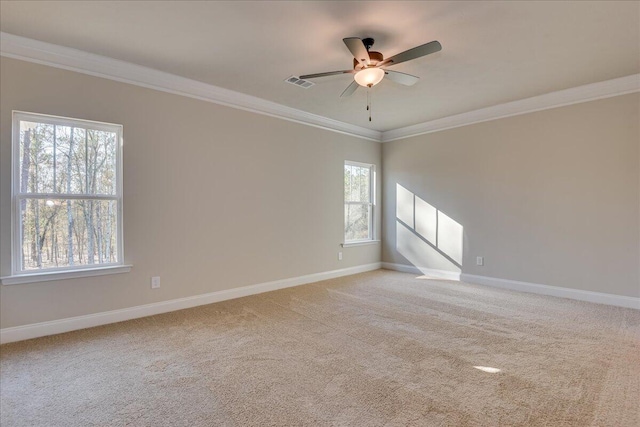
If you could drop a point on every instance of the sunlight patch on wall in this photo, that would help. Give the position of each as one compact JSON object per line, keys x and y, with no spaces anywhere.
{"x":404,"y":205}
{"x":426,"y":219}
{"x":425,"y":236}
{"x":420,"y":253}
{"x":450,"y":237}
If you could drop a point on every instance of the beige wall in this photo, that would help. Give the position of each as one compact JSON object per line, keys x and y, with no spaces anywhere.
{"x":214,"y":197}
{"x":551,"y":197}
{"x":217,"y":198}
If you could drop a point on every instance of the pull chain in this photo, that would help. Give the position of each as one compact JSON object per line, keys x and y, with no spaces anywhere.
{"x":369,"y":101}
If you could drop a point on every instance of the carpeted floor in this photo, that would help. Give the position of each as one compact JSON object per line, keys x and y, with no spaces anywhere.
{"x":374,"y":349}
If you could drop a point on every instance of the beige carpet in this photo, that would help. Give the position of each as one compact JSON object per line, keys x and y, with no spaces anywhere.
{"x":374,"y":349}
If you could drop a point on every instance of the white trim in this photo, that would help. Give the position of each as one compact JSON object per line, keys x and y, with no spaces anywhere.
{"x":401,"y":268}
{"x":423,"y":271}
{"x":358,"y":164}
{"x":561,"y":98}
{"x":19,"y":333}
{"x":556,"y":291}
{"x":26,"y":49}
{"x":39,"y":52}
{"x":534,"y":288}
{"x":359,"y":243}
{"x":64,"y":274}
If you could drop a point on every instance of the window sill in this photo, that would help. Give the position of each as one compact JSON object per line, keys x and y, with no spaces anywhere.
{"x":63,"y":275}
{"x":361,"y":243}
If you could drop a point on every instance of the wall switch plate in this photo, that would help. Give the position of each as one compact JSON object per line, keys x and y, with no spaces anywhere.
{"x":339,"y":256}
{"x":155,"y":282}
{"x":480,"y":260}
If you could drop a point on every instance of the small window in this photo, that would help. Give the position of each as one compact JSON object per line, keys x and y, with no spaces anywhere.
{"x":67,"y":194}
{"x":359,"y":179}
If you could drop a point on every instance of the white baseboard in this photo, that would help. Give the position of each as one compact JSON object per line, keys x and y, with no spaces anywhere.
{"x":514,"y":285}
{"x":35,"y":330}
{"x":556,"y":291}
{"x":432,"y":272}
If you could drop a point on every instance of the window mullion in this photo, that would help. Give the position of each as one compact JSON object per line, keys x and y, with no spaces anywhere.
{"x":67,"y":196}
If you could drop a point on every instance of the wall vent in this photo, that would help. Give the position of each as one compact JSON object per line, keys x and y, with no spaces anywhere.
{"x":299,"y":82}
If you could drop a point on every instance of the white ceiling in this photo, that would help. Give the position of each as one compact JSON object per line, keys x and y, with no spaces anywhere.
{"x":493,"y":52}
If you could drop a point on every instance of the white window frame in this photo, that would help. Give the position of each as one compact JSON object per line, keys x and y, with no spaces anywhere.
{"x":18,"y":274}
{"x":371,"y":204}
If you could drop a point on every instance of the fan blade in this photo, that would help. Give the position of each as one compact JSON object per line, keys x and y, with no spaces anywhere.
{"x":329,"y":73}
{"x":358,"y":50}
{"x":350,"y":89}
{"x":416,"y":52}
{"x":402,"y":78}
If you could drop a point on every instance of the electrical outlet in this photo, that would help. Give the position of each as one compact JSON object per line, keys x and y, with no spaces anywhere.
{"x":155,"y":282}
{"x":339,"y":256}
{"x":480,"y":260}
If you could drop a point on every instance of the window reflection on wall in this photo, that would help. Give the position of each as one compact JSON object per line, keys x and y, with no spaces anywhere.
{"x":426,"y":236}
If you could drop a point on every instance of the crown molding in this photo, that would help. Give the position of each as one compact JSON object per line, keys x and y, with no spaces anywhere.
{"x":561,"y":98}
{"x":39,"y":52}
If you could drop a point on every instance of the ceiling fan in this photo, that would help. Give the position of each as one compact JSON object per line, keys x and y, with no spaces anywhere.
{"x":369,"y":67}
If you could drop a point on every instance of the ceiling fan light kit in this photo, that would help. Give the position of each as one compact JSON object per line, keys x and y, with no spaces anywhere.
{"x":369,"y":77}
{"x":367,"y":65}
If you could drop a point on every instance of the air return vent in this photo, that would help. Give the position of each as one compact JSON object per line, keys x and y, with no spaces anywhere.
{"x":299,"y":82}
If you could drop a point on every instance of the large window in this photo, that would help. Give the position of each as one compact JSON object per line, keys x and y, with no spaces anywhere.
{"x":358,"y":201}
{"x":67,"y":194}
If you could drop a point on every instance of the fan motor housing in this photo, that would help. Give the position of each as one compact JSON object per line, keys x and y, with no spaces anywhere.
{"x":375,"y":57}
